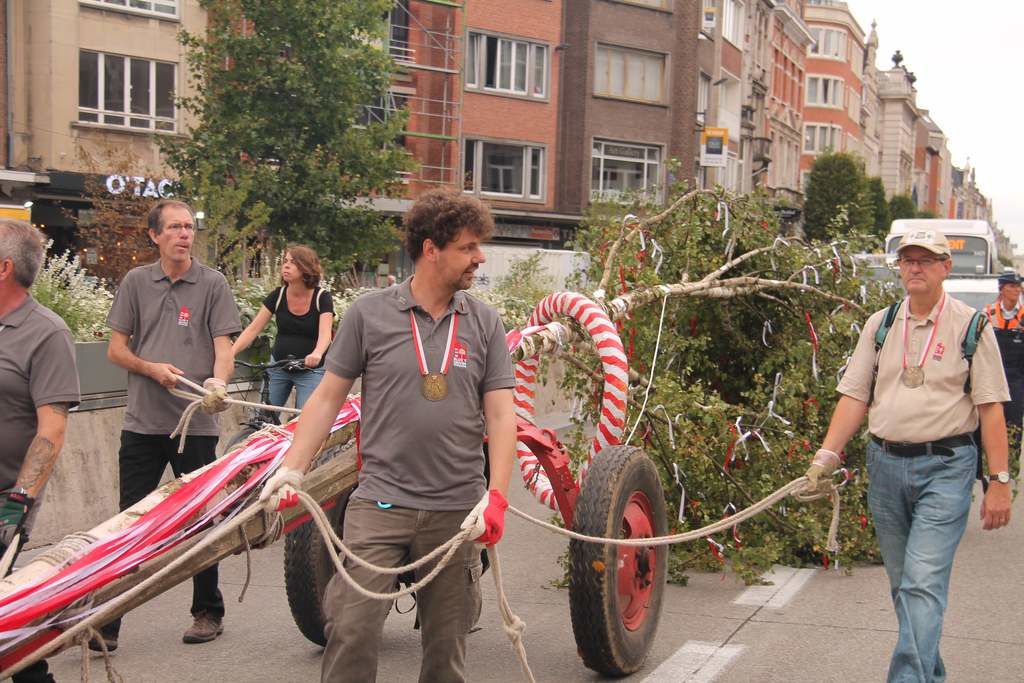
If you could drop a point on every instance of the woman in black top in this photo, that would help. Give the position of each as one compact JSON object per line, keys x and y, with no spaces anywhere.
{"x":305,"y":314}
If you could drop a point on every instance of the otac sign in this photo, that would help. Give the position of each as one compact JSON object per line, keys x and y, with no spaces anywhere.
{"x":141,"y":186}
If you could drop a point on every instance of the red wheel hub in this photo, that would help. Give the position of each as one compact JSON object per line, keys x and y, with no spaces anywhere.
{"x":636,"y":564}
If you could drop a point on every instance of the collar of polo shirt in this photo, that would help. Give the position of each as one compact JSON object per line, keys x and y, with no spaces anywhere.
{"x":403,"y":297}
{"x":191,"y":275}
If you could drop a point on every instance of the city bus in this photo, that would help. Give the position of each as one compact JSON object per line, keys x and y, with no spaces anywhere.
{"x":973,"y":243}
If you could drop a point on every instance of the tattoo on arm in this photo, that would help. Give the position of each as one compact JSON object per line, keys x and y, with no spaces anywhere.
{"x":38,"y":463}
{"x":59,"y":408}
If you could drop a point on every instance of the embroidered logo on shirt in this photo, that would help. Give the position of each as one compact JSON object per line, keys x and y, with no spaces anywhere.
{"x":459,"y":355}
{"x":184,"y":316}
{"x":940,"y":349}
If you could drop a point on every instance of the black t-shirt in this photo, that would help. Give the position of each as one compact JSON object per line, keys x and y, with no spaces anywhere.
{"x":297,"y":334}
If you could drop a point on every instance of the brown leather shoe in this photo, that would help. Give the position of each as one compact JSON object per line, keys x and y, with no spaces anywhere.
{"x":205,"y":628}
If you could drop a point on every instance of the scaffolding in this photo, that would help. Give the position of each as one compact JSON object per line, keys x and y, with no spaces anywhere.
{"x":425,"y":40}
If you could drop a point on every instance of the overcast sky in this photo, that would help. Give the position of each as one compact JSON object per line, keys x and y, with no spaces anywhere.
{"x":965,"y":56}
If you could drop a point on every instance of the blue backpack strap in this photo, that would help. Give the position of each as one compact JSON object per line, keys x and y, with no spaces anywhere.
{"x":880,"y":334}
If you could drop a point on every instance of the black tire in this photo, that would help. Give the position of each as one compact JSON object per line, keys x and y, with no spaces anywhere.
{"x":615,"y":624}
{"x":308,"y":569}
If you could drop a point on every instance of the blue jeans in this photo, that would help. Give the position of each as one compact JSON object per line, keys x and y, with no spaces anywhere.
{"x":920,"y":507}
{"x":282,"y":381}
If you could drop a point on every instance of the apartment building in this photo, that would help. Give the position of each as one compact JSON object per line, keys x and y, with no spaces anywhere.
{"x":628,"y":98}
{"x":932,"y":167}
{"x":512,"y":88}
{"x":899,"y":116}
{"x":99,"y":76}
{"x":723,"y":69}
{"x":834,"y":81}
{"x":790,"y":39}
{"x":870,"y":106}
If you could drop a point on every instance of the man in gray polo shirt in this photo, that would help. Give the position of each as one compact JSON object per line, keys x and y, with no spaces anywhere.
{"x":38,"y":384}
{"x":432,"y":361}
{"x":172,"y":318}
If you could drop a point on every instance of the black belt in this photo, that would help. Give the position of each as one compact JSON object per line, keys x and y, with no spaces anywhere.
{"x":905,"y":449}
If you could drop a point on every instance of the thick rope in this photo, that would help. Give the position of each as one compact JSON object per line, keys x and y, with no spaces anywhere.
{"x":196,"y":397}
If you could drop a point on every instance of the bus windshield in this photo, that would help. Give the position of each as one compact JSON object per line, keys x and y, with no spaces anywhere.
{"x":970,"y":254}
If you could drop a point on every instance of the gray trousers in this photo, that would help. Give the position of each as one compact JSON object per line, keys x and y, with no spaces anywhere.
{"x":448,"y":606}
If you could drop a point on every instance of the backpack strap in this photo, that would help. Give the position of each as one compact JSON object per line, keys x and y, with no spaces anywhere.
{"x":970,"y":343}
{"x":280,"y":296}
{"x":880,"y":334}
{"x":316,"y":299}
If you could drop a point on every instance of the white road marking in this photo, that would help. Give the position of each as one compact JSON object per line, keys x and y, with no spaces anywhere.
{"x":785,"y":582}
{"x":696,"y":661}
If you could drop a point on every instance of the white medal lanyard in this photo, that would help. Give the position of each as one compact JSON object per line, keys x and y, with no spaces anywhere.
{"x":421,"y":354}
{"x":931,"y":337}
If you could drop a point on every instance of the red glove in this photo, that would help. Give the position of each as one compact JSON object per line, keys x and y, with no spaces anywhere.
{"x":494,"y":519}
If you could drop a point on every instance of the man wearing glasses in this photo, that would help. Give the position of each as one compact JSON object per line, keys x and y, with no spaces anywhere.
{"x":923,"y":401}
{"x":172,"y":318}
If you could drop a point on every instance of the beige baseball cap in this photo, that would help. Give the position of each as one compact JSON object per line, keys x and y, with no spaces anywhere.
{"x":932,"y":240}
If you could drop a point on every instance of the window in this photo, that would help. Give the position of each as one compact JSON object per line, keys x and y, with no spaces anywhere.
{"x":853,"y":97}
{"x":504,"y":65}
{"x":659,"y":4}
{"x":732,"y":21}
{"x":162,"y":8}
{"x":825,"y":92}
{"x":829,"y":42}
{"x":619,"y":169}
{"x":506,"y":169}
{"x":126,"y":91}
{"x":821,"y":138}
{"x":629,"y":74}
{"x":703,"y":97}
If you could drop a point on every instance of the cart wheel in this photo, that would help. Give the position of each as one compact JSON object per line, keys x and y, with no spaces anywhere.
{"x":308,"y":568}
{"x":615,"y":593}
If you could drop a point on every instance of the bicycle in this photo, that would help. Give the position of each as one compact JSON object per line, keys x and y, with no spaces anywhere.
{"x":257,"y":418}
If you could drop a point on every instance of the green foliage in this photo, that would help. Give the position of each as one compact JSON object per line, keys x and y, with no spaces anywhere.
{"x":714,"y":371}
{"x":837,"y":182}
{"x":81,"y":300}
{"x":282,"y":119}
{"x":926,"y":213}
{"x":517,"y":292}
{"x":902,"y":206}
{"x":879,"y":207}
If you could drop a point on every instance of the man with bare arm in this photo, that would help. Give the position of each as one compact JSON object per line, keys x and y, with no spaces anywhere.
{"x":172,"y":318}
{"x":435,"y":374}
{"x":38,"y":385}
{"x":924,"y":394}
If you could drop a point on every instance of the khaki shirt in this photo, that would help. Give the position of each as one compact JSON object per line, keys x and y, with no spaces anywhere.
{"x":426,"y":455}
{"x":939,"y":408}
{"x":171,"y":322}
{"x":37,"y":368}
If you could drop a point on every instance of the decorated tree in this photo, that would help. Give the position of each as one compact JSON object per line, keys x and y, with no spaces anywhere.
{"x":735,"y":337}
{"x":284,"y":94}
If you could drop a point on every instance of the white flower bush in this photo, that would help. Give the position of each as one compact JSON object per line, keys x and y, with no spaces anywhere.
{"x":82,"y":300}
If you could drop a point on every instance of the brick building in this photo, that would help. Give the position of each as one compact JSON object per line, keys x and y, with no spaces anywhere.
{"x":834,"y":81}
{"x":628,"y":103}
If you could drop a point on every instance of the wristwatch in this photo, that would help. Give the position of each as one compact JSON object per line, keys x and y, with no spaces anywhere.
{"x":1002,"y":477}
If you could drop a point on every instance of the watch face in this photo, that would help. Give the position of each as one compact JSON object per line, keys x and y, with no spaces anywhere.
{"x":1001,"y":477}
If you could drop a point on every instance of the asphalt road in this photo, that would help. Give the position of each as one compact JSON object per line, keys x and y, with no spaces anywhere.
{"x":812,"y":625}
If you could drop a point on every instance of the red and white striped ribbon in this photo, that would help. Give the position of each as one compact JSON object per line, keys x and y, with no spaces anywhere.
{"x":616,"y":382}
{"x":421,"y":355}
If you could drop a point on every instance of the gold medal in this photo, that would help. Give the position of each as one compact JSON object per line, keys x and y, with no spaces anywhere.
{"x":912,"y":377}
{"x":435,"y":387}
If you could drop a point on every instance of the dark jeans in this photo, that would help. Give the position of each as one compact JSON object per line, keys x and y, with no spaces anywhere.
{"x":1014,"y":412}
{"x":142,"y":460}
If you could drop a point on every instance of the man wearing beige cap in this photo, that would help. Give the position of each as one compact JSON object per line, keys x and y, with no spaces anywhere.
{"x":923,"y":400}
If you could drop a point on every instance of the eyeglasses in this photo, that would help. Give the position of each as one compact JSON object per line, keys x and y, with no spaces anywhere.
{"x":922,"y":262}
{"x":178,"y":227}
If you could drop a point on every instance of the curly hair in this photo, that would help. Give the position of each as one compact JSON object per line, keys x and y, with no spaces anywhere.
{"x":307,"y":262}
{"x":439,"y":215}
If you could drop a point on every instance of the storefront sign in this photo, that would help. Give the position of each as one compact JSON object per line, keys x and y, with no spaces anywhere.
{"x":143,"y":187}
{"x":713,"y":145}
{"x":527,"y":232}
